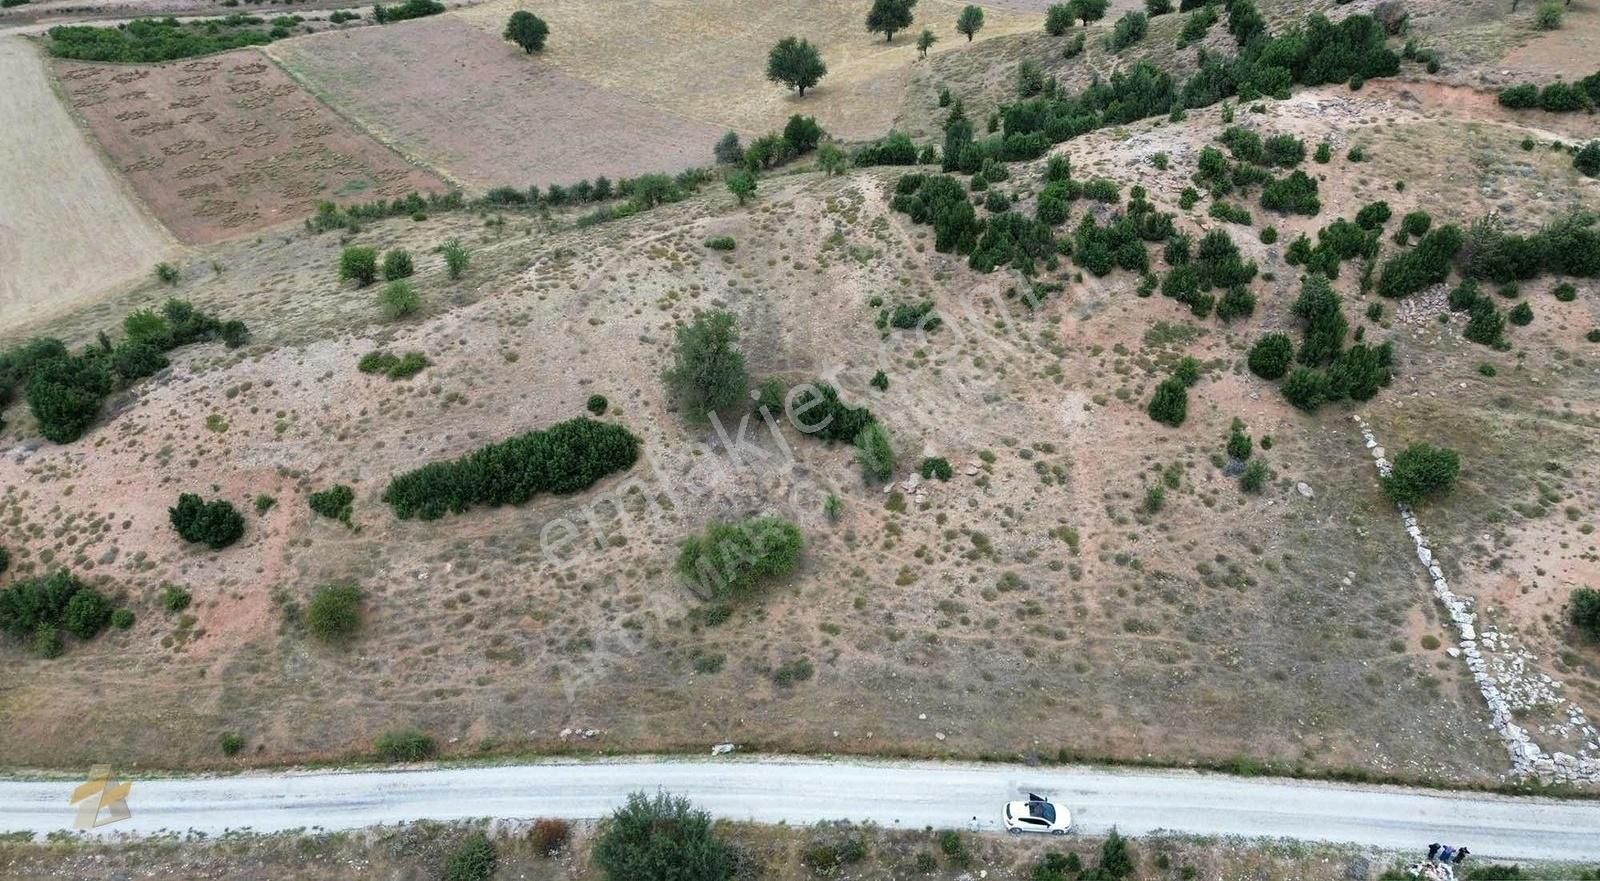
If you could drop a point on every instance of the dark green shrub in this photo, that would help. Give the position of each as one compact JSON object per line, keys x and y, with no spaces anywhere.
{"x":473,"y":859}
{"x":662,"y":837}
{"x":86,"y":614}
{"x":936,"y":467}
{"x":398,"y":299}
{"x":1129,"y":29}
{"x":47,"y":642}
{"x":335,"y":502}
{"x":733,"y":560}
{"x":232,"y":744}
{"x":1416,"y":223}
{"x":1565,"y":292}
{"x":1295,"y":194}
{"x":1587,"y":159}
{"x":216,"y":523}
{"x":880,"y":381}
{"x":832,"y":846}
{"x":818,"y":410}
{"x":1522,"y":314}
{"x":1325,"y":325}
{"x":1285,"y":151}
{"x":334,"y":612}
{"x":359,"y":263}
{"x":1239,"y":445}
{"x":1236,"y":302}
{"x":397,"y":264}
{"x":565,"y":458}
{"x":1373,"y":215}
{"x":1422,"y":471}
{"x":1306,"y":388}
{"x":1583,"y":610}
{"x":1485,"y":326}
{"x":456,"y":257}
{"x":1324,"y":153}
{"x":1254,"y":476}
{"x":1170,"y":404}
{"x":37,"y":609}
{"x":597,"y":405}
{"x":1269,"y":235}
{"x":1116,"y":860}
{"x":1520,"y":97}
{"x":405,"y":745}
{"x":721,"y":243}
{"x":1269,"y":358}
{"x":174,"y":598}
{"x":166,"y":273}
{"x":1058,"y":19}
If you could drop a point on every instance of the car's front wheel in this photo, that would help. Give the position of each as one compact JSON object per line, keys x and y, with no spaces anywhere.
{"x":1058,"y":831}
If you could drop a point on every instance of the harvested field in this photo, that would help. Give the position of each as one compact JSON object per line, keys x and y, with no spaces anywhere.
{"x":68,"y":225}
{"x":225,"y":145}
{"x":475,"y":107}
{"x":707,"y":60}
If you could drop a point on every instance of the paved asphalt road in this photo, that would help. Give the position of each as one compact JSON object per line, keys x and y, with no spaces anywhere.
{"x":798,"y":791}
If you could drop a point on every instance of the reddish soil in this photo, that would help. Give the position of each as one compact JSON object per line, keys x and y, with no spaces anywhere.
{"x":225,"y":145}
{"x":463,"y":100}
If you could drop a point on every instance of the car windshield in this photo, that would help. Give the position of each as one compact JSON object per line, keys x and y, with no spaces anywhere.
{"x":1043,"y":810}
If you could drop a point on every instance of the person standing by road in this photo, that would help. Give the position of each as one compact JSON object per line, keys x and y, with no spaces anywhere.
{"x":1433,"y":851}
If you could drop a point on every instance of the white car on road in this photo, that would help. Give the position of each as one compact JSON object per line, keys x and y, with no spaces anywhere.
{"x":1037,"y":815}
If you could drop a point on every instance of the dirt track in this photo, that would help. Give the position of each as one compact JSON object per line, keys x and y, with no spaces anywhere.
{"x":68,"y":225}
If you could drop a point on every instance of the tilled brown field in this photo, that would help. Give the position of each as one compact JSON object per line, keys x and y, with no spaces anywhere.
{"x":224,"y":145}
{"x":463,"y":100}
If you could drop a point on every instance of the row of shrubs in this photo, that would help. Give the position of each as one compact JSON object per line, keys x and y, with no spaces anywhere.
{"x":64,"y":390}
{"x":39,"y":610}
{"x":1329,"y":371}
{"x":1557,"y":97}
{"x":1319,"y":52}
{"x":564,"y":458}
{"x":149,"y":40}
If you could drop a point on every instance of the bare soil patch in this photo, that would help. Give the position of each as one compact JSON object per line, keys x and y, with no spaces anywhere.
{"x":69,"y":226}
{"x":228,"y":144}
{"x":473,"y":105}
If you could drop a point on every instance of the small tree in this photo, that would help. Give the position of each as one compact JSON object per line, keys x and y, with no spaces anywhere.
{"x":1090,"y":10}
{"x":1422,"y":471}
{"x":742,"y":184}
{"x":888,"y":16}
{"x":334,"y":613}
{"x":728,"y":150}
{"x":795,"y":63}
{"x":970,"y":21}
{"x":708,"y":372}
{"x":1587,"y":160}
{"x":360,"y":264}
{"x":925,"y":41}
{"x":660,"y":838}
{"x":1238,"y":442}
{"x":527,"y":30}
{"x":473,"y":859}
{"x":831,"y":159}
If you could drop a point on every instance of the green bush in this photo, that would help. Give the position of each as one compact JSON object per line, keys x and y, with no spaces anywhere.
{"x":1583,"y":610}
{"x":456,"y":258}
{"x":1254,"y":476}
{"x":473,"y":859}
{"x":874,"y":452}
{"x":397,"y":264}
{"x":405,"y":745}
{"x":1416,"y":223}
{"x":565,"y":458}
{"x":1325,"y":325}
{"x":1306,"y":388}
{"x":398,"y":299}
{"x":721,"y":243}
{"x":232,"y":744}
{"x":1422,"y":471}
{"x":166,"y":273}
{"x":1485,"y":326}
{"x":393,"y":366}
{"x":174,"y":598}
{"x":1058,"y":19}
{"x":732,"y":560}
{"x":1548,"y":16}
{"x":1324,"y":153}
{"x":1521,"y":97}
{"x":1236,"y":302}
{"x":1170,"y":404}
{"x":1522,"y":314}
{"x":1587,"y":159}
{"x":1426,"y":264}
{"x":936,"y":467}
{"x":359,"y":263}
{"x":334,"y":613}
{"x":335,"y":502}
{"x":407,"y":10}
{"x":216,"y":523}
{"x":1269,"y":235}
{"x":1295,"y":194}
{"x":1373,"y":215}
{"x":818,"y":410}
{"x":708,"y":371}
{"x":150,"y":40}
{"x":832,"y":846}
{"x":1239,"y":445}
{"x":597,"y":404}
{"x":37,"y":609}
{"x":1129,"y":29}
{"x":1270,"y":356}
{"x":662,"y":838}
